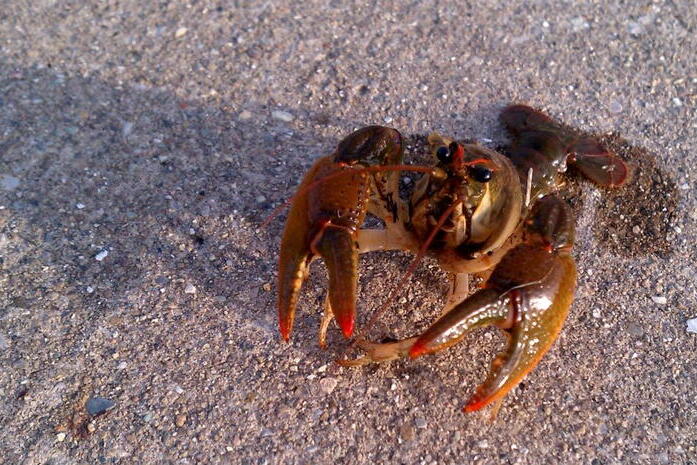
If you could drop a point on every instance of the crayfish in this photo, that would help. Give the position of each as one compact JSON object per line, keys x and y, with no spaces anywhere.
{"x":476,"y":211}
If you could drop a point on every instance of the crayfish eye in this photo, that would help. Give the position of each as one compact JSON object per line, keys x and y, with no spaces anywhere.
{"x":480,"y":173}
{"x":443,"y":154}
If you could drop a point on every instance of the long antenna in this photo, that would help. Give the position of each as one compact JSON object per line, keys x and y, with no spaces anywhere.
{"x":406,"y":276}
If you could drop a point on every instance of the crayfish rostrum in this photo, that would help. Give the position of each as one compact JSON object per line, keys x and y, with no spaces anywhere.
{"x":475,"y":211}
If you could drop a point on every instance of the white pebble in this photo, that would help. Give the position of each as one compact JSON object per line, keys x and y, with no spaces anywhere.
{"x":282,"y":116}
{"x":677,"y":102}
{"x":579,"y":23}
{"x":9,"y":183}
{"x":327,"y":385}
{"x":127,"y":129}
{"x":692,"y":326}
{"x":181,"y":32}
{"x":596,"y":313}
{"x":101,"y":255}
{"x":388,"y":119}
{"x":244,"y":115}
{"x":90,"y":289}
{"x":60,"y":437}
{"x":659,"y":299}
{"x":635,"y":28}
{"x":615,"y":107}
{"x":190,"y":289}
{"x":80,"y":206}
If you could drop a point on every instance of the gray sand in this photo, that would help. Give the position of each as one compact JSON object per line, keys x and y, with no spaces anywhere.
{"x":140,"y":147}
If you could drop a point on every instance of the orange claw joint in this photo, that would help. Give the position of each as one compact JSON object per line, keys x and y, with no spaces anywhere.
{"x":528,"y":296}
{"x":324,"y":219}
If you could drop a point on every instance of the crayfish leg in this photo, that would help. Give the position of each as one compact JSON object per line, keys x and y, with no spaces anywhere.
{"x":458,"y":291}
{"x":393,"y":237}
{"x":379,"y":352}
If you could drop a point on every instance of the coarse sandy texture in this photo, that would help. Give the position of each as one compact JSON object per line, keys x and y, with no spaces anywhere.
{"x":141,"y":144}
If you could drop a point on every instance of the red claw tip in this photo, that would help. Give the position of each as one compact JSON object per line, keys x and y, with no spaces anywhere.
{"x":346,"y":325}
{"x":285,"y":332}
{"x":475,"y":403}
{"x":419,"y":348}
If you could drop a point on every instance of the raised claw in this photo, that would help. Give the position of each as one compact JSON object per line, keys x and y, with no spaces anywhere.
{"x":537,"y":137}
{"x":528,"y":296}
{"x":324,"y":219}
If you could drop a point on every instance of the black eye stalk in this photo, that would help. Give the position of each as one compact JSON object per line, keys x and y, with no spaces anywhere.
{"x":444,"y":155}
{"x":480,"y":173}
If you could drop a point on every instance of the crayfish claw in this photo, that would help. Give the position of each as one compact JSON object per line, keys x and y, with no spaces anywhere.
{"x":597,"y":164}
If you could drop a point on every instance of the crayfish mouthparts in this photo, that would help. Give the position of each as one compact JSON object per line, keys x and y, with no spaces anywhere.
{"x":474,"y":211}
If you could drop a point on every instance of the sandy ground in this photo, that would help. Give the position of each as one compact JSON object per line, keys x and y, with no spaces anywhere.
{"x":141,"y":144}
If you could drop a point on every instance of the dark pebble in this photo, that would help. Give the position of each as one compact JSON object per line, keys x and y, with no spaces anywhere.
{"x":98,"y":405}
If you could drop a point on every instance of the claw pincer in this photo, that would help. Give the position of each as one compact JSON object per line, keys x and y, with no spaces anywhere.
{"x":528,"y":296}
{"x":324,"y":219}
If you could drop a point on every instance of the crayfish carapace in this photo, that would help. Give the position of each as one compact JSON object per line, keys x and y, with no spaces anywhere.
{"x":475,"y":210}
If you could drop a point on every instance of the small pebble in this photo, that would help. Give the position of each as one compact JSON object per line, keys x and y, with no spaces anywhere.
{"x":127,"y":129}
{"x":615,"y":107}
{"x":9,"y":183}
{"x":89,"y":289}
{"x":388,"y":119}
{"x":60,"y":437}
{"x":181,"y":32}
{"x":420,"y":422}
{"x":636,"y":229}
{"x":282,"y":116}
{"x":266,"y":287}
{"x":596,"y":313}
{"x":98,"y":405}
{"x":4,"y":342}
{"x":677,"y":102}
{"x":260,"y":199}
{"x":101,"y":255}
{"x":80,"y":206}
{"x":91,"y":427}
{"x":635,"y":28}
{"x":692,"y":326}
{"x":579,"y":23}
{"x":180,"y":420}
{"x":327,"y":385}
{"x":659,"y":300}
{"x":190,"y":289}
{"x":406,"y":432}
{"x":244,"y":115}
